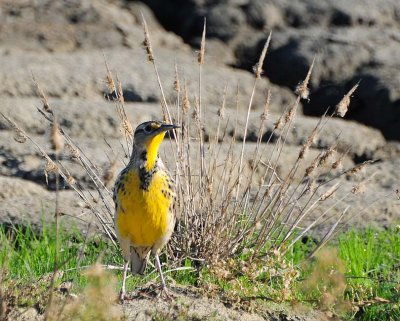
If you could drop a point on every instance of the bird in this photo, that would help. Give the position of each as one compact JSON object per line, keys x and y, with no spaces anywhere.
{"x":144,"y":197}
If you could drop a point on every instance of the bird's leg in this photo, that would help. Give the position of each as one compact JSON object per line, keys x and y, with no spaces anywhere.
{"x":123,"y":289}
{"x":163,"y":286}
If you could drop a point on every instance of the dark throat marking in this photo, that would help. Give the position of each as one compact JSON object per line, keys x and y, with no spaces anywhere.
{"x":146,"y":176}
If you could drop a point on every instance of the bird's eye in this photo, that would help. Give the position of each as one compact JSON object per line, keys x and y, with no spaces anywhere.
{"x":147,"y":129}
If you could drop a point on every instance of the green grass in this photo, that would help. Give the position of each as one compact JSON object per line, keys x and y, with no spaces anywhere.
{"x":27,"y":255}
{"x":372,"y":261}
{"x":371,"y":265}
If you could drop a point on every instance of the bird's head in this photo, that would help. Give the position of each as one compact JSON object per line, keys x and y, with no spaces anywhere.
{"x":148,"y":137}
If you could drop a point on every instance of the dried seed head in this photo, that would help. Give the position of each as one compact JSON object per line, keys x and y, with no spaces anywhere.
{"x":110,"y":172}
{"x":127,"y":127}
{"x":326,"y":155}
{"x":310,"y":169}
{"x":73,"y":150}
{"x":71,"y":180}
{"x":338,"y":164}
{"x":19,"y":136}
{"x":177,"y":84}
{"x":221,"y":111}
{"x":43,"y":98}
{"x":279,"y":122}
{"x":291,"y":112}
{"x":309,"y":142}
{"x":146,"y":42}
{"x":343,"y":105}
{"x":264,"y":114}
{"x":121,"y":98}
{"x":186,"y":101}
{"x":164,"y":109}
{"x":358,"y":168}
{"x":110,"y":82}
{"x":330,"y":192}
{"x":359,"y":188}
{"x":200,"y":57}
{"x":109,"y":78}
{"x":312,"y":185}
{"x":195,"y":114}
{"x":56,"y":139}
{"x":50,"y":167}
{"x":258,"y":67}
{"x":302,"y":89}
{"x":209,"y":186}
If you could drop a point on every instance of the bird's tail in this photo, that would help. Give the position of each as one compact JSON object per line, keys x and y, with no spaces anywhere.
{"x":139,"y":258}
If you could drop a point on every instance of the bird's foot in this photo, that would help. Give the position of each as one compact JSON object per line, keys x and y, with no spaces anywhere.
{"x":166,"y":294}
{"x":122,"y":297}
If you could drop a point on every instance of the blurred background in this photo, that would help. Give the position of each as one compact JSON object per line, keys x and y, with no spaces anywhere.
{"x":65,"y":45}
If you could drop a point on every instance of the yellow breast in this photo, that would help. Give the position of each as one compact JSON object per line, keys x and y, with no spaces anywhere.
{"x":143,"y":215}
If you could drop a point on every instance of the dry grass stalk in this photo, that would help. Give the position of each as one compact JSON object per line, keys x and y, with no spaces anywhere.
{"x":186,"y":101}
{"x":177,"y":83}
{"x":146,"y":42}
{"x":200,"y":57}
{"x":19,"y":136}
{"x":329,"y":153}
{"x":73,"y":151}
{"x":330,"y":192}
{"x":278,"y":124}
{"x":310,"y":140}
{"x":343,"y":105}
{"x":258,"y":67}
{"x":109,"y":79}
{"x":358,"y":168}
{"x":110,"y":173}
{"x":56,"y":139}
{"x":43,"y":97}
{"x":302,"y":89}
{"x":264,"y":114}
{"x":120,"y":92}
{"x":359,"y":188}
{"x":50,"y":167}
{"x":149,"y":50}
{"x":291,"y":112}
{"x":362,"y":186}
{"x":258,"y":72}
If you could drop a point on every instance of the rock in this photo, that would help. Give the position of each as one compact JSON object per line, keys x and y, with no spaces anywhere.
{"x":263,"y":15}
{"x":65,"y":27}
{"x":224,"y":22}
{"x":303,"y":14}
{"x":26,"y":203}
{"x":82,"y":74}
{"x":346,"y":57}
{"x":351,"y":43}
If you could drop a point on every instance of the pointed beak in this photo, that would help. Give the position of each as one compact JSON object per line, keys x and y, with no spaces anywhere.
{"x":167,"y":127}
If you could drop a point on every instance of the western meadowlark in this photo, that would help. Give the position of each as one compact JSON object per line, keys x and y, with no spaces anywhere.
{"x":144,"y":196}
